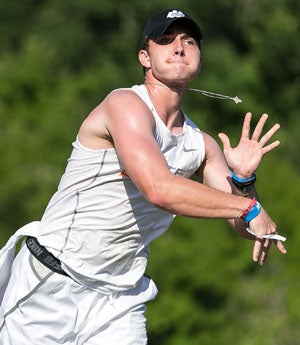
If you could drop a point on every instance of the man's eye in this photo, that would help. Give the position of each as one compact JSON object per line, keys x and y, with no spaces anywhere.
{"x":190,"y":41}
{"x":164,"y":40}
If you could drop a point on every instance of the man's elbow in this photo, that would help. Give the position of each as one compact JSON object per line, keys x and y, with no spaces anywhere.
{"x":160,"y":191}
{"x":159,"y":198}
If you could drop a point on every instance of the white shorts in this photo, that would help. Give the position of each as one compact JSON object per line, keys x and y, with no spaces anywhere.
{"x":42,"y":307}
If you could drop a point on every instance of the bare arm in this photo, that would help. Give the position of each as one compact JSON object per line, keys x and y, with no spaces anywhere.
{"x":123,"y":121}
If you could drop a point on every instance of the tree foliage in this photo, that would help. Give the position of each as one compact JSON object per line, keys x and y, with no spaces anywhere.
{"x":58,"y":60}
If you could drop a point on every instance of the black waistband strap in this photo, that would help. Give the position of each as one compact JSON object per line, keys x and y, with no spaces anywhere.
{"x":42,"y":255}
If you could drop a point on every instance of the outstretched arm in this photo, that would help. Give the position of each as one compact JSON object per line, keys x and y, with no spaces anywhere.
{"x":124,"y":122}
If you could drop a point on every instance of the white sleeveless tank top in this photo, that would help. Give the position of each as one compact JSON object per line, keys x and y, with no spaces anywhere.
{"x":98,"y":223}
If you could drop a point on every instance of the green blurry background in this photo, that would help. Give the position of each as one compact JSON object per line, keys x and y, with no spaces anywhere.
{"x":58,"y":59}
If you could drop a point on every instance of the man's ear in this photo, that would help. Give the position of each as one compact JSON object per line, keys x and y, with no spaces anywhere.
{"x":144,"y":58}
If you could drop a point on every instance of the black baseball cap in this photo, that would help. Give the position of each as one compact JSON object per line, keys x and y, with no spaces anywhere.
{"x":159,"y":23}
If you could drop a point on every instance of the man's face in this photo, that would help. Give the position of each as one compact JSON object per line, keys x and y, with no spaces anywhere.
{"x":175,"y":56}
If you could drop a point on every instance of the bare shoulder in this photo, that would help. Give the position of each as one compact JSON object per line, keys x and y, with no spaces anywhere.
{"x":118,"y":109}
{"x":122,"y":94}
{"x":125,"y":104}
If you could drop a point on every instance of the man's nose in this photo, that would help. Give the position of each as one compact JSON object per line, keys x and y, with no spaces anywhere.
{"x":178,"y":47}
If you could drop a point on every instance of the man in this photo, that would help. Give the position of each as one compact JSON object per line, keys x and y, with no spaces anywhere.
{"x":80,"y":277}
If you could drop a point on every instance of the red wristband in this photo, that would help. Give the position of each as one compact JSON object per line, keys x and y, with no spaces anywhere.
{"x":248,"y":209}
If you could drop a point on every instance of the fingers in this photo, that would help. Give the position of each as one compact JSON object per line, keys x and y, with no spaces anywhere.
{"x":258,"y":132}
{"x":259,"y":127}
{"x":225,"y":141}
{"x":261,"y":249}
{"x":280,"y":247}
{"x":246,"y":125}
{"x":270,"y":147}
{"x":266,"y":137}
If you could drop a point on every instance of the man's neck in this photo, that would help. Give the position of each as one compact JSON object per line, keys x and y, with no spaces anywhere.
{"x":167,"y":101}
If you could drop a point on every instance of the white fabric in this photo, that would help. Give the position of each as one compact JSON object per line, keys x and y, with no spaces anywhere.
{"x":7,"y":253}
{"x":99,"y":224}
{"x":53,"y":309}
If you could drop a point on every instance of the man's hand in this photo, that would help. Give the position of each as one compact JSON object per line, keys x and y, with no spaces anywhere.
{"x":261,"y":245}
{"x":245,"y":158}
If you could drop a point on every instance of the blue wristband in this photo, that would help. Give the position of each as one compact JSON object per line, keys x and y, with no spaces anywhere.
{"x":243,"y":184}
{"x":255,"y":210}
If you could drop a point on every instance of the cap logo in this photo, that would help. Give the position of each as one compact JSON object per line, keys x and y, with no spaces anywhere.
{"x":175,"y":14}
